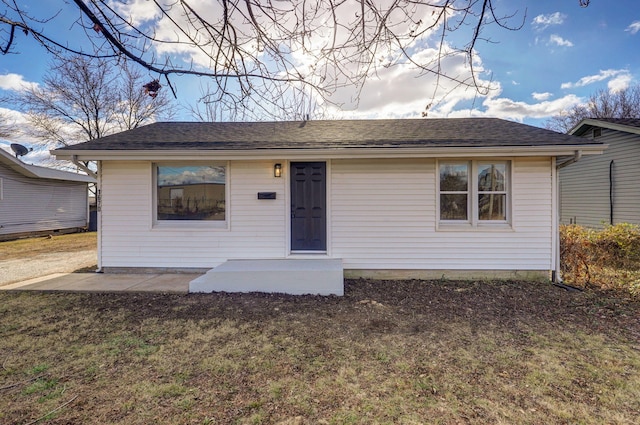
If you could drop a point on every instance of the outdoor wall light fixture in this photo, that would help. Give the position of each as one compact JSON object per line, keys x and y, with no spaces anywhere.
{"x":277,"y":170}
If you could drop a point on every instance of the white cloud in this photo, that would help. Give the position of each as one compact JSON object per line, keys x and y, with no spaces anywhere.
{"x":620,"y":82}
{"x":314,"y":60}
{"x":559,"y":41}
{"x":14,"y":82}
{"x":397,"y":91}
{"x":139,"y":11}
{"x":401,"y":90}
{"x":385,"y":100}
{"x":541,"y":96}
{"x":590,"y":79}
{"x":541,"y":22}
{"x":14,"y":117}
{"x":20,"y":134}
{"x":634,"y":27}
{"x":519,"y":111}
{"x":18,"y":123}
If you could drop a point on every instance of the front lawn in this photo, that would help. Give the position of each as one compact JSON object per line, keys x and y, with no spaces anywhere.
{"x":405,"y":352}
{"x":30,"y":247}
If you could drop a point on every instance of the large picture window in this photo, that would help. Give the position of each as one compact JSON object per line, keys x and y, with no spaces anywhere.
{"x":473,"y":191}
{"x":191,"y":192}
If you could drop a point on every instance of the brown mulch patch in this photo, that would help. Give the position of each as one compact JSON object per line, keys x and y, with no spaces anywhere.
{"x":405,"y":305}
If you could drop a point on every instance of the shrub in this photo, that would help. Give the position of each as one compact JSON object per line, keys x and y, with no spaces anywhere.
{"x":575,"y":253}
{"x":607,"y":258}
{"x":618,"y":246}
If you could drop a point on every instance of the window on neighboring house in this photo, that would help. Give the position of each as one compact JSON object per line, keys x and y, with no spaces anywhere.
{"x":474,"y":192}
{"x":191,"y":192}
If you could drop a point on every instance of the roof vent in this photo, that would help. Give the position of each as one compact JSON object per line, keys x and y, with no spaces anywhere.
{"x":597,"y":132}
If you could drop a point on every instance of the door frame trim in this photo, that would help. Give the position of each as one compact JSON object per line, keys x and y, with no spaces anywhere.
{"x":287,"y":212}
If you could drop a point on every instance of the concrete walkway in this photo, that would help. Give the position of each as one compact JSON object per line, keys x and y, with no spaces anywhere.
{"x":106,"y":282}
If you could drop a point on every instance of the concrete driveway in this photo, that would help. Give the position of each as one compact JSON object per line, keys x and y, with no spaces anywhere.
{"x":20,"y":269}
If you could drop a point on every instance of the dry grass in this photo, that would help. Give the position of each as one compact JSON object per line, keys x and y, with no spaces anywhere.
{"x":406,"y":352}
{"x":29,"y":247}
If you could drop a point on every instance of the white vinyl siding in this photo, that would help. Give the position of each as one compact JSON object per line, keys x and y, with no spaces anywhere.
{"x":381,"y":215}
{"x":38,"y":205}
{"x":584,"y":186}
{"x":384,"y":217}
{"x":256,"y":228}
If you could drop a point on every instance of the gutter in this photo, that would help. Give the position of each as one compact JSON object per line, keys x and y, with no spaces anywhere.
{"x":325,"y":153}
{"x":577,"y":155}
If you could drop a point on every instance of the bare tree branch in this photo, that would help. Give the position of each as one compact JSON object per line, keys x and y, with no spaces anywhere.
{"x":254,"y":52}
{"x":7,"y":128}
{"x":602,"y":104}
{"x":82,"y":99}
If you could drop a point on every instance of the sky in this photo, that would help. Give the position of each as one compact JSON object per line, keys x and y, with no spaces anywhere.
{"x":561,"y":55}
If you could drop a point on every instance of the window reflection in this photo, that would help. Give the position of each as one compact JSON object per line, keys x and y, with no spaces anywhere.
{"x":492,"y":197}
{"x":191,"y":192}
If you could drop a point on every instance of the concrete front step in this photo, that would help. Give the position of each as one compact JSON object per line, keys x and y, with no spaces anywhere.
{"x":288,"y":276}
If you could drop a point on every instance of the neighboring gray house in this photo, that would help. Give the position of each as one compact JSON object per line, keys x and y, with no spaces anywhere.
{"x":603,"y":189}
{"x":473,"y":197}
{"x":37,"y":199}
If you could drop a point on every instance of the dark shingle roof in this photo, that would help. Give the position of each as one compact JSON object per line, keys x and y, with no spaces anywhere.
{"x":405,"y":133}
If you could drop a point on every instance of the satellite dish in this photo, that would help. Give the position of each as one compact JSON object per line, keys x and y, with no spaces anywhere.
{"x":19,"y":150}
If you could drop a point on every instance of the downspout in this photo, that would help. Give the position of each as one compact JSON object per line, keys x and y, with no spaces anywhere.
{"x":576,"y":157}
{"x":556,"y":275}
{"x":83,"y":167}
{"x":99,"y":213}
{"x":611,"y":192}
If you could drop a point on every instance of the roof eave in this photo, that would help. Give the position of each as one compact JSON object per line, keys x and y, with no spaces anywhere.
{"x":16,"y":165}
{"x":36,"y":172}
{"x":581,"y":128}
{"x":329,"y":153}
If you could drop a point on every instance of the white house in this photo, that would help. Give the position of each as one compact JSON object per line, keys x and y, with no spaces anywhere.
{"x":36,"y":199}
{"x":604,"y":189}
{"x":448,"y":198}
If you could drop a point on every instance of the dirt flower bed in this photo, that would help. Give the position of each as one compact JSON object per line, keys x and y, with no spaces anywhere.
{"x":403,"y":352}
